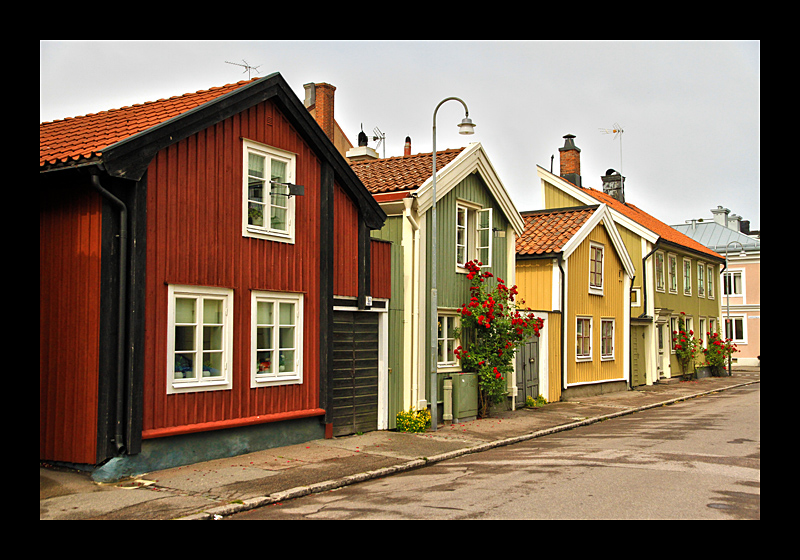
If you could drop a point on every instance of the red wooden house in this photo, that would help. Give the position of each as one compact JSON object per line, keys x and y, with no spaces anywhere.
{"x":199,"y":255}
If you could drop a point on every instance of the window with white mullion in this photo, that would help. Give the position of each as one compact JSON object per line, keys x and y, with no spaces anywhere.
{"x":484,"y":243}
{"x":276,"y":338}
{"x":269,"y":210}
{"x":461,"y":236}
{"x":583,"y":339}
{"x":199,"y":339}
{"x":447,"y":341}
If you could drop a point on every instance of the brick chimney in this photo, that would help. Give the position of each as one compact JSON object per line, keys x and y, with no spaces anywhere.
{"x":407,"y":147}
{"x":570,"y":156}
{"x":321,"y":97}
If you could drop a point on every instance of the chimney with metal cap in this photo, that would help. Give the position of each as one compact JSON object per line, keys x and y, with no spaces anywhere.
{"x":614,"y":185}
{"x":570,"y":156}
{"x":407,"y":147}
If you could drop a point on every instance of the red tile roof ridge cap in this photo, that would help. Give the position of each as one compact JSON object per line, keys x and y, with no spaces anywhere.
{"x":421,"y":154}
{"x":133,"y":105}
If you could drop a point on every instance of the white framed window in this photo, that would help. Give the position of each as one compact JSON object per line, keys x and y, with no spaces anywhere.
{"x":672,"y":273}
{"x":268,"y":212}
{"x":732,"y":283}
{"x":199,"y":338}
{"x":701,"y":333}
{"x":687,"y":277}
{"x":583,"y":339}
{"x":473,"y":235}
{"x":701,"y":280}
{"x":636,"y":297}
{"x":660,"y":271}
{"x":735,"y":329}
{"x":606,"y":339}
{"x":596,"y":254}
{"x":710,"y":276}
{"x":447,"y":341}
{"x":673,"y":333}
{"x":276,"y":344}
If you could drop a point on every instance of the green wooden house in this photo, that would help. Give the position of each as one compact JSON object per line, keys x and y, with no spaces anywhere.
{"x":476,"y":219}
{"x":674,"y":274}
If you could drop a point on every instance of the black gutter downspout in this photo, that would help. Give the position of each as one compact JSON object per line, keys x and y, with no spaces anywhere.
{"x":122,"y":298}
{"x":644,"y":277}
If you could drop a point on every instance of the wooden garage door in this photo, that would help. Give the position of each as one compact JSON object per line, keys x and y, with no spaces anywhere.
{"x":355,"y":372}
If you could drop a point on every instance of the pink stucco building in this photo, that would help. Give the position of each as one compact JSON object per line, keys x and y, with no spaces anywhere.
{"x":728,"y":234}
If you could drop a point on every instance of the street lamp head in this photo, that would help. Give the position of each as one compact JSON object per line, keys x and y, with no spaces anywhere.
{"x":466,"y":126}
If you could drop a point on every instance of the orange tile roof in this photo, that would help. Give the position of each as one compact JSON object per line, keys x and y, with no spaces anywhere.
{"x":547,"y":231}
{"x":83,"y":138}
{"x":400,"y":173}
{"x":642,"y":218}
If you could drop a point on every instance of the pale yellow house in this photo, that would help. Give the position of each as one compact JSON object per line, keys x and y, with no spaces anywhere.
{"x":574,"y":272}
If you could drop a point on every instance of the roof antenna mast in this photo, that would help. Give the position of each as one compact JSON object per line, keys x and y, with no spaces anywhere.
{"x":616,"y":131}
{"x":247,"y":67}
{"x":381,"y":138}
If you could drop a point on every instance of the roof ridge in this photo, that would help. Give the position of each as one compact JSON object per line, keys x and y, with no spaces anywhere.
{"x":161,"y":100}
{"x":411,"y":156}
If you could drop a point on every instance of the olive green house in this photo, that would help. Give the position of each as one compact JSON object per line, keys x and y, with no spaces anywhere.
{"x":674,"y":274}
{"x":476,"y":219}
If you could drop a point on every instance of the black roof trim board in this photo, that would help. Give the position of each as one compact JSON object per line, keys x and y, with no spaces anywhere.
{"x":129,"y":158}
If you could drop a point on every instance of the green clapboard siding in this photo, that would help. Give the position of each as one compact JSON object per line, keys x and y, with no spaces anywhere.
{"x":393,"y":231}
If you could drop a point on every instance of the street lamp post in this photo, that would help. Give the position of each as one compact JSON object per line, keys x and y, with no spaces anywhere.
{"x":465,"y":127}
{"x":728,"y":288}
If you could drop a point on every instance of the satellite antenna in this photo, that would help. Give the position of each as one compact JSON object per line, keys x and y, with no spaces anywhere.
{"x":247,"y":67}
{"x":380,"y":137}
{"x":616,"y":131}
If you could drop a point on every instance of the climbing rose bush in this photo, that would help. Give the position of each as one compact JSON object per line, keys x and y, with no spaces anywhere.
{"x":496,"y":328}
{"x":687,"y":347}
{"x":718,"y":350}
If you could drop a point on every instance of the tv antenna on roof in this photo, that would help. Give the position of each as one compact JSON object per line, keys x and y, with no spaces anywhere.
{"x":380,"y":137}
{"x":247,"y":67}
{"x":616,"y":131}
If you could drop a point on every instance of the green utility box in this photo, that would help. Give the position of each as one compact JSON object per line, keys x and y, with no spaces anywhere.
{"x":465,"y":396}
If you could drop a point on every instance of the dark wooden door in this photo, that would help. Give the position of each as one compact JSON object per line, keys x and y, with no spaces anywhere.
{"x":638,"y":368}
{"x":355,"y":372}
{"x":528,"y":370}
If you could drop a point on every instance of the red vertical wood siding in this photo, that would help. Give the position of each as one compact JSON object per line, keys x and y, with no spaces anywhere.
{"x":345,"y":247}
{"x":194,"y":236}
{"x":380,"y":276}
{"x":70,"y":227}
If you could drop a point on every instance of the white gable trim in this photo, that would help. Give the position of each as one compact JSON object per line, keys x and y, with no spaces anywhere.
{"x":471,"y":160}
{"x":603,"y":213}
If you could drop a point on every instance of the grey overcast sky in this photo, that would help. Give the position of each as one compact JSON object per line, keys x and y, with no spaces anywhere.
{"x":690,"y":110}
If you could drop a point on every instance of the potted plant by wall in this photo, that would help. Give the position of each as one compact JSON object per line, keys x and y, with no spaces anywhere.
{"x":497,"y":328}
{"x":717,"y":352}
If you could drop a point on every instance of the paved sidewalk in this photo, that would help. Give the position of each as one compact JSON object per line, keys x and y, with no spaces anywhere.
{"x":222,"y":487}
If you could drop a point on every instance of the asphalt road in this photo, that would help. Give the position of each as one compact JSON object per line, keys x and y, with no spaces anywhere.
{"x":697,"y":459}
